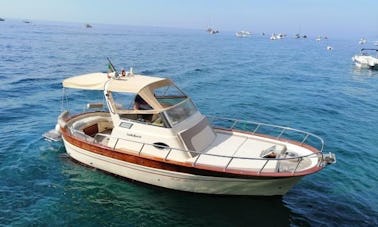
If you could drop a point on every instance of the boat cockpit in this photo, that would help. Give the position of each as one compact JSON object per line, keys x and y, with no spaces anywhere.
{"x":162,"y":105}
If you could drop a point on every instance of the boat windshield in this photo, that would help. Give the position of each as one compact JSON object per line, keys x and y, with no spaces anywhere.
{"x":180,"y":112}
{"x":169,"y":95}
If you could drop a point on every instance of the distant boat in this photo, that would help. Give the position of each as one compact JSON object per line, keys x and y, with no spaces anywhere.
{"x":329,"y":48}
{"x":277,"y":36}
{"x":243,"y":34}
{"x":26,"y":21}
{"x":298,"y":36}
{"x":88,"y":26}
{"x":212,"y":31}
{"x":318,"y":38}
{"x":362,"y":41}
{"x":2,"y":19}
{"x":364,"y":60}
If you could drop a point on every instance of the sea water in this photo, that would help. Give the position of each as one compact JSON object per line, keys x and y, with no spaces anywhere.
{"x":289,"y":82}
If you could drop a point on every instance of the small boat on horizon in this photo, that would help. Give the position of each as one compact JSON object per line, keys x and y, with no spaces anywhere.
{"x":366,"y":60}
{"x":243,"y":34}
{"x":88,"y":26}
{"x":275,"y":36}
{"x":2,"y":19}
{"x":212,"y":31}
{"x":26,"y":21}
{"x":362,"y":41}
{"x":149,"y":130}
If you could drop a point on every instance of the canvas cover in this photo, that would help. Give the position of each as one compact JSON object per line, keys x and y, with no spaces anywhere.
{"x":97,"y":81}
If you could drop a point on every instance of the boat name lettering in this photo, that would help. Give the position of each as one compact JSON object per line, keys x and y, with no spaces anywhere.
{"x":133,"y":135}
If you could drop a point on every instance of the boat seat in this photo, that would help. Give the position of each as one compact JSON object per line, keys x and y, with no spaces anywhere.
{"x":274,"y":151}
{"x":88,"y":121}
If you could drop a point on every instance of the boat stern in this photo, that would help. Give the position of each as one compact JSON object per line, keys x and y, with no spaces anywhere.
{"x":55,"y":134}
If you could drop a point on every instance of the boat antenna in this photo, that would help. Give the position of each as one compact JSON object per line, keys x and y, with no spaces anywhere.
{"x":112,"y":68}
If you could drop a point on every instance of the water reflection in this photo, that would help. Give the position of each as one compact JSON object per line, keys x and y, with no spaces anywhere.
{"x":226,"y":210}
{"x":109,"y":199}
{"x":362,"y":72}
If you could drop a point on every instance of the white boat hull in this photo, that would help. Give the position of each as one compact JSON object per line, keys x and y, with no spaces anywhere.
{"x":183,"y":181}
{"x":365,"y":62}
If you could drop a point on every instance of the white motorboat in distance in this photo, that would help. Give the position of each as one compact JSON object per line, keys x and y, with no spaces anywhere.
{"x":212,"y":31}
{"x":275,"y":36}
{"x":362,"y":41}
{"x":243,"y":34}
{"x":365,"y":60}
{"x":159,"y":137}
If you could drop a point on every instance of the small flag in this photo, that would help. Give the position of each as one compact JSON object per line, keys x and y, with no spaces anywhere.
{"x":111,"y":67}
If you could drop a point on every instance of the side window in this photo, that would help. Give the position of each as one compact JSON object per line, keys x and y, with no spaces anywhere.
{"x":123,"y":101}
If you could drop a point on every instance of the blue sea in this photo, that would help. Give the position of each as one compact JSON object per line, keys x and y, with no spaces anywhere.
{"x":289,"y":82}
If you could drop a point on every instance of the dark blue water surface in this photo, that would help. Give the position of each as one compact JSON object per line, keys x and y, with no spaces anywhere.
{"x":296,"y":83}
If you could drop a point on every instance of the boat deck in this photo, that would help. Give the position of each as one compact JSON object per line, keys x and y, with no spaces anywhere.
{"x":243,"y":152}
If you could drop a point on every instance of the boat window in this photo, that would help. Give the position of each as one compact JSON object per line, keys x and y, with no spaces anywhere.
{"x":169,"y":95}
{"x":180,"y":112}
{"x":123,"y":101}
{"x":82,"y":98}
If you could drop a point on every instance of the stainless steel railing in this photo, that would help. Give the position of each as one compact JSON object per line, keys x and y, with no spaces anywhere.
{"x":99,"y":137}
{"x":274,"y":131}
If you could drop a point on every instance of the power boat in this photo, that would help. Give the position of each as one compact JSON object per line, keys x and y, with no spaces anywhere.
{"x":362,"y":41}
{"x":298,"y":36}
{"x":277,"y":36}
{"x":365,"y":60}
{"x":212,"y":31}
{"x":329,"y":48}
{"x":243,"y":34}
{"x":149,"y":130}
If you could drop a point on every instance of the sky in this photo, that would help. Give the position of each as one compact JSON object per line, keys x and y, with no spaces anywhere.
{"x":332,"y":17}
